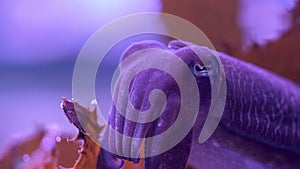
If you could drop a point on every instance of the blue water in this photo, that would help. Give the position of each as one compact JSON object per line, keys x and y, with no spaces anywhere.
{"x":30,"y":97}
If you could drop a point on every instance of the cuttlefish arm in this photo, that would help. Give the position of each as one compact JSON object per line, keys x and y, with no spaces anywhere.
{"x":139,"y":92}
{"x":261,"y":113}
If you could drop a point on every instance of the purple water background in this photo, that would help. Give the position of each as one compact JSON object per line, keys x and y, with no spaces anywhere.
{"x":40,"y":40}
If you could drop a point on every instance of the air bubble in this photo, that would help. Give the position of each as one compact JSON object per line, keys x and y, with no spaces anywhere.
{"x":58,"y":139}
{"x":26,"y":157}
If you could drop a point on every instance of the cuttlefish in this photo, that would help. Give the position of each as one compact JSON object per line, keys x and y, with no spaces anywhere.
{"x":259,"y":127}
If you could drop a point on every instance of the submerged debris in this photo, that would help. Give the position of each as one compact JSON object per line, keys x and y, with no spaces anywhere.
{"x":89,"y":152}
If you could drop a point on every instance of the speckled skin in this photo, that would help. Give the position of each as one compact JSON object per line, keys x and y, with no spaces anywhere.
{"x":259,"y":129}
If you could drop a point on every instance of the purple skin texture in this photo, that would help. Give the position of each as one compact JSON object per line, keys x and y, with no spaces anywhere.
{"x":259,"y":129}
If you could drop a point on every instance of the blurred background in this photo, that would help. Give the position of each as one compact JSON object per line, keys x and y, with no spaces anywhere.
{"x":40,"y":41}
{"x":39,"y":44}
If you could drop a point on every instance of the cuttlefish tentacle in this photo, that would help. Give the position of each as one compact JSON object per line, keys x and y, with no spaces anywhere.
{"x":118,"y":144}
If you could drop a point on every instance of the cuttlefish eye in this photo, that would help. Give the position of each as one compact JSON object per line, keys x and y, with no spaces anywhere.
{"x":200,"y":70}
